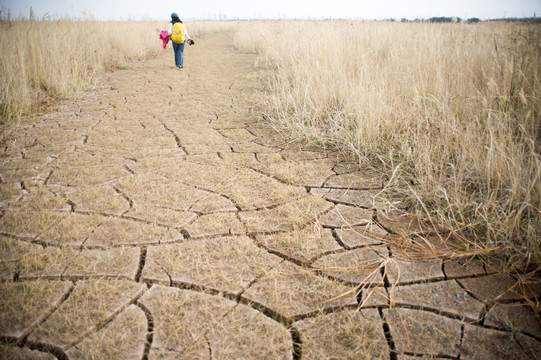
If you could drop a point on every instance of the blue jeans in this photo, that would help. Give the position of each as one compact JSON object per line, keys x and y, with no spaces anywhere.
{"x":179,"y":54}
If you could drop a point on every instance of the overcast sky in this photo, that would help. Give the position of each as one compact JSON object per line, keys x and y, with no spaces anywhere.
{"x":249,"y":9}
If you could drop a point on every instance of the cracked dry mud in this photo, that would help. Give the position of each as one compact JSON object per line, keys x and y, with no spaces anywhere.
{"x":160,"y":217}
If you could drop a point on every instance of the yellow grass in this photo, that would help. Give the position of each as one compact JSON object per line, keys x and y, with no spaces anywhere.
{"x":46,"y":60}
{"x":455,"y":107}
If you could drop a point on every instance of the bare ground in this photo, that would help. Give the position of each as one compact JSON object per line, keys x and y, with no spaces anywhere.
{"x":160,"y":217}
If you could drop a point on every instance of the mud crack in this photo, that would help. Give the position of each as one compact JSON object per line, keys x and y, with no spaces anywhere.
{"x":175,"y":136}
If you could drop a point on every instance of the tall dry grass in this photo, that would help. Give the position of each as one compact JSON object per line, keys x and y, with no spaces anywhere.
{"x":454,"y":108}
{"x":55,"y":59}
{"x":45,"y":60}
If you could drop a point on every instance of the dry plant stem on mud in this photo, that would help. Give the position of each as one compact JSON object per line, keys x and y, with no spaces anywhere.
{"x":457,"y":106}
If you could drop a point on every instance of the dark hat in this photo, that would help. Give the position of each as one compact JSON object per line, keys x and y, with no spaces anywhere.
{"x":174,"y":15}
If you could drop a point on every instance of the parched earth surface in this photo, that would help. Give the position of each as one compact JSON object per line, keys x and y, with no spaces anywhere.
{"x":161,"y":217}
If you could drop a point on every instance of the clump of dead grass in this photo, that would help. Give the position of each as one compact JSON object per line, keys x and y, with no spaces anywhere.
{"x":452,"y":108}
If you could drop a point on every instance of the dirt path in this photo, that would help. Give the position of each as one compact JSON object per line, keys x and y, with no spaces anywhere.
{"x":160,"y":217}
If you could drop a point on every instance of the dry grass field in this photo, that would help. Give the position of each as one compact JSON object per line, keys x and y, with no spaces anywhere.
{"x":152,"y":213}
{"x":454,"y":110}
{"x":43,"y":61}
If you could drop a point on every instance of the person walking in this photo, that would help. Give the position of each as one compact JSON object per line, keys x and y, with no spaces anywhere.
{"x":179,"y":35}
